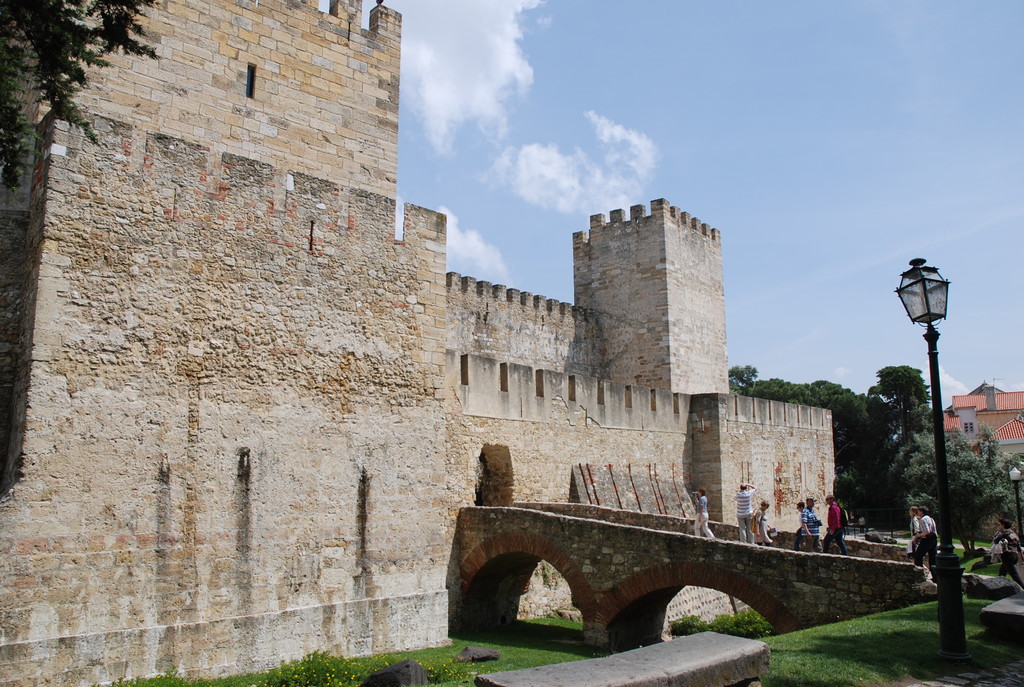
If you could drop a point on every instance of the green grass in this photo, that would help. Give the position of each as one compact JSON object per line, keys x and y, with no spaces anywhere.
{"x":880,"y":649}
{"x":522,"y":645}
{"x":874,"y":650}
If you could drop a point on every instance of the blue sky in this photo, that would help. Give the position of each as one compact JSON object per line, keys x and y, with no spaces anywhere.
{"x":830,"y":143}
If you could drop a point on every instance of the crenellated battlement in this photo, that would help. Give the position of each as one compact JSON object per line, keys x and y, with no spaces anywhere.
{"x":662,"y":213}
{"x":487,"y":387}
{"x":504,"y":296}
{"x":746,"y":409}
{"x":343,"y":18}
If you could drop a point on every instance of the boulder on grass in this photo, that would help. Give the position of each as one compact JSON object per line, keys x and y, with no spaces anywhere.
{"x":992,"y":588}
{"x":876,"y":538}
{"x":475,"y":654}
{"x":398,"y":675}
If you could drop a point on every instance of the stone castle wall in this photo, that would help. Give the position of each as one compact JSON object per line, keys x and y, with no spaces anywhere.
{"x":785,"y":450}
{"x":324,"y":91}
{"x":546,"y":431}
{"x":494,"y":321}
{"x":547,"y":426}
{"x":227,"y":371}
{"x":206,"y":462}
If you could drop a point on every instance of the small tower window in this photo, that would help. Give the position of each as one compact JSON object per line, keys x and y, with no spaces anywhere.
{"x":250,"y":81}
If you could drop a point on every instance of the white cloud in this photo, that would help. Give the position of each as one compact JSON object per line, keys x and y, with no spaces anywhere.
{"x":469,"y":253}
{"x":950,"y":386}
{"x":461,"y":63}
{"x":841,"y":372}
{"x":573,"y":182}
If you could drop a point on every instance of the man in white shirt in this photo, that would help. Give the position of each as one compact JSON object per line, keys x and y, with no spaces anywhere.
{"x":745,"y":511}
{"x":926,"y":538}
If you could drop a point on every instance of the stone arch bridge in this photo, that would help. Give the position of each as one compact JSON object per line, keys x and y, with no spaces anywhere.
{"x":624,"y":567}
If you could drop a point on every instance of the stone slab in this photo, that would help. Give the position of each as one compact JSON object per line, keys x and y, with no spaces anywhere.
{"x":1006,"y":614}
{"x":707,"y":659}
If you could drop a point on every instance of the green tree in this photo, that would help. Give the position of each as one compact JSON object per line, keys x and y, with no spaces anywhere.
{"x":902,"y":391}
{"x":978,"y":488}
{"x":46,"y":47}
{"x":741,"y":378}
{"x":776,"y":389}
{"x":849,"y":418}
{"x":869,"y":431}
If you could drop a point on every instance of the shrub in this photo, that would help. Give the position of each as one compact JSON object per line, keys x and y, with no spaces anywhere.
{"x":688,"y":625}
{"x":168,"y":679}
{"x":321,"y":669}
{"x":748,"y":623}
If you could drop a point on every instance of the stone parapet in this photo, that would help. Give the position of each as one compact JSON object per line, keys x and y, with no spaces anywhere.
{"x":490,"y":388}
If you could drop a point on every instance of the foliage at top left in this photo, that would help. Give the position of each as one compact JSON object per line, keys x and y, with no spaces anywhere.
{"x":46,"y":49}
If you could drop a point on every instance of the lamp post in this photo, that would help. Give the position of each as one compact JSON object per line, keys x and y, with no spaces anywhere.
{"x":923,"y":292}
{"x":1015,"y":478}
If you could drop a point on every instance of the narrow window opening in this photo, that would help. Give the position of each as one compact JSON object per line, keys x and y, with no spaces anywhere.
{"x":464,"y":370}
{"x":600,"y":393}
{"x":250,"y":81}
{"x":362,"y":511}
{"x":504,"y":377}
{"x":654,"y":399}
{"x":675,"y":404}
{"x":572,"y":387}
{"x":312,"y":225}
{"x":628,"y":394}
{"x":540,"y":383}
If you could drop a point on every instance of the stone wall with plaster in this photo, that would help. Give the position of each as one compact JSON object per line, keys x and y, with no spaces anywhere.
{"x":784,"y":450}
{"x":226,"y":381}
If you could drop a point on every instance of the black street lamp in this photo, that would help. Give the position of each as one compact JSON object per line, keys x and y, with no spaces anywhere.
{"x":923,"y":292}
{"x":1015,"y":478}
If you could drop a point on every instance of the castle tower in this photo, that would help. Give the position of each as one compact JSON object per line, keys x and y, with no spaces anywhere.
{"x":658,"y":278}
{"x":225,"y":440}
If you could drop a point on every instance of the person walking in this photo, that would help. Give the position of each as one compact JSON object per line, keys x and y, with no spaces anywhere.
{"x":700,"y":525}
{"x":798,"y":538}
{"x":762,"y":531}
{"x":1011,"y":551}
{"x":745,"y":511}
{"x":811,"y":525}
{"x":834,"y":522}
{"x":926,"y":539}
{"x":915,"y":527}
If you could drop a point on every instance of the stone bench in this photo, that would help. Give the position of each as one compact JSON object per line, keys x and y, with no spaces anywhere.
{"x":707,"y":659}
{"x":1006,"y":615}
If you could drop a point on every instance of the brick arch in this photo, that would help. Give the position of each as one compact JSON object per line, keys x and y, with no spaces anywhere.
{"x":477,"y":568}
{"x":677,"y":575}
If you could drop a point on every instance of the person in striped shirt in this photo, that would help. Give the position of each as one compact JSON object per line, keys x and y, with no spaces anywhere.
{"x":745,"y":511}
{"x":811,"y":525}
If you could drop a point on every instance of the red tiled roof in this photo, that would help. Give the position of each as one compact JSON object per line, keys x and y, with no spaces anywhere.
{"x":975,"y":401}
{"x":1006,"y":400}
{"x":1014,"y":429}
{"x":952,"y":423}
{"x":1011,"y":400}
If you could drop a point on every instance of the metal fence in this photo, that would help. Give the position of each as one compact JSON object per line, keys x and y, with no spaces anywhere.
{"x":887,"y":521}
